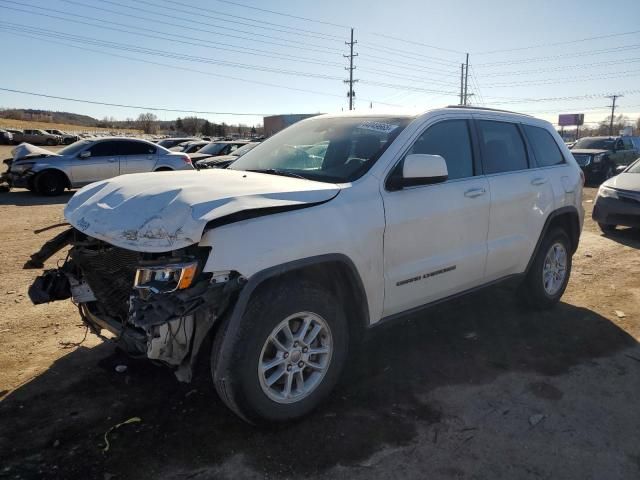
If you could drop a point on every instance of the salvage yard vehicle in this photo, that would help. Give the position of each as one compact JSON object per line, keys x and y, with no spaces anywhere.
{"x":67,"y":138}
{"x":217,"y":149}
{"x":6,"y":137}
{"x":281,"y":262}
{"x":221,"y":161}
{"x":599,"y":157}
{"x":37,"y":137}
{"x":172,"y":142}
{"x":189,"y":147}
{"x":618,"y":200}
{"x":87,"y":161}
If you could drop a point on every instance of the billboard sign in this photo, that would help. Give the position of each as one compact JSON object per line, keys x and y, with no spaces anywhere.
{"x":569,"y":119}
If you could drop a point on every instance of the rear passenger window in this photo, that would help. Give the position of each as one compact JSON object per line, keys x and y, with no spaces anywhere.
{"x":449,"y":139}
{"x":544,"y":146}
{"x":136,"y":148}
{"x":502,"y":147}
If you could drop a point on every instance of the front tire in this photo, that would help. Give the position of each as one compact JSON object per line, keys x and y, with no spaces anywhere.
{"x":50,"y":183}
{"x":548,"y":276}
{"x":287,"y":354}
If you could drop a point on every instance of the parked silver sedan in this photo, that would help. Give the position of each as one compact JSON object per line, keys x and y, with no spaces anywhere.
{"x":87,"y":161}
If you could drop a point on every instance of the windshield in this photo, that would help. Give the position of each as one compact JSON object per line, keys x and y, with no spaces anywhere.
{"x":595,"y":143}
{"x":212,"y":148}
{"x":74,"y":147}
{"x":336,"y":150}
{"x":243,"y":149}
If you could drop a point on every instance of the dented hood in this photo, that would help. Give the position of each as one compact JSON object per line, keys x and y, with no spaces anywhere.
{"x":25,"y":150}
{"x":159,"y":212}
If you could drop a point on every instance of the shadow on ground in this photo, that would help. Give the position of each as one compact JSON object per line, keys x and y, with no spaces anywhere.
{"x":20,"y":197}
{"x":625,"y":236}
{"x":54,"y":425}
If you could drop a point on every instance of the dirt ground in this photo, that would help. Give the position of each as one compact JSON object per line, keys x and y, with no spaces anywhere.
{"x":478,"y":389}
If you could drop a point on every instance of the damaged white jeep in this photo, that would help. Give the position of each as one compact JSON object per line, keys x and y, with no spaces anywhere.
{"x":284,"y":259}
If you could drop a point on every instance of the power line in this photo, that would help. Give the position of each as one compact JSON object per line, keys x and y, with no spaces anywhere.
{"x":568,"y":42}
{"x":162,"y":53}
{"x":173,"y":24}
{"x":175,"y":17}
{"x":218,"y":12}
{"x":187,"y":69}
{"x":420,"y":44}
{"x":137,"y":107}
{"x":567,"y":80}
{"x":562,"y":68}
{"x":201,"y":43}
{"x":513,"y":100}
{"x":556,"y":57}
{"x":314,"y":20}
{"x":404,"y":54}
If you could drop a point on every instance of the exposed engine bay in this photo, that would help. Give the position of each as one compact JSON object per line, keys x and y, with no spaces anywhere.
{"x":158,"y":305}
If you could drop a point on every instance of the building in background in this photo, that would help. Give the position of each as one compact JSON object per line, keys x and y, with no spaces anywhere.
{"x":275,"y":123}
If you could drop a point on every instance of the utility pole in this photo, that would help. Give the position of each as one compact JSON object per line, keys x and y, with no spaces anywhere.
{"x":466,"y":78}
{"x":613,"y":112}
{"x":461,"y":83}
{"x":351,"y":68}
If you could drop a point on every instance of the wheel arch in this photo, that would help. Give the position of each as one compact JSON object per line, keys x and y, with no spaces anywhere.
{"x":57,"y":171}
{"x":566,"y":218}
{"x":335,"y":271}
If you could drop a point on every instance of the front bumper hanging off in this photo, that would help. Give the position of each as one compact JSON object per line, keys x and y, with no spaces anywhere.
{"x":168,"y":327}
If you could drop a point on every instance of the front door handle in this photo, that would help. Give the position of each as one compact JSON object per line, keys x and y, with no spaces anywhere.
{"x":539,"y":181}
{"x":475,"y":192}
{"x":111,"y":160}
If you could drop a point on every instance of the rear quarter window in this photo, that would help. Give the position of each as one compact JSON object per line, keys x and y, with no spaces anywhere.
{"x":545,"y":149}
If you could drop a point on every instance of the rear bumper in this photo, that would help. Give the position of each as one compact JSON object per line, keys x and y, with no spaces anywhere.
{"x":612,"y":211}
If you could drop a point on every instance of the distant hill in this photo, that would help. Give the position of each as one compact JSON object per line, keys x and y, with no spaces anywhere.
{"x":49,"y":116}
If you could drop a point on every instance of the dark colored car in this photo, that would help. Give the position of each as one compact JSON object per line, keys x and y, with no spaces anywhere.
{"x":223,"y":161}
{"x":618,"y":200}
{"x":6,"y":138}
{"x":599,"y":157}
{"x":67,"y":138}
{"x":189,"y":147}
{"x":169,"y":143}
{"x":217,"y":149}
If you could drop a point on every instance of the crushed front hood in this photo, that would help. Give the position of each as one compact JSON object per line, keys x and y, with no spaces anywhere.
{"x":25,"y":150}
{"x":163,"y":211}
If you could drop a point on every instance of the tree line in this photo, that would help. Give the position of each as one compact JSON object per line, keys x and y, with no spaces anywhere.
{"x":149,"y":123}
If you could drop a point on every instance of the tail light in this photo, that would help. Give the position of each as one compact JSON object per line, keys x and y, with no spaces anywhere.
{"x":187,"y":160}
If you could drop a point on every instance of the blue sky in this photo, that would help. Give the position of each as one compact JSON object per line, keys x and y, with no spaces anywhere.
{"x":221,"y":56}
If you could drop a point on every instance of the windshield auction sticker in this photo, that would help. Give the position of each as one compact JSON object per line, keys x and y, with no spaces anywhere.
{"x":380,"y":127}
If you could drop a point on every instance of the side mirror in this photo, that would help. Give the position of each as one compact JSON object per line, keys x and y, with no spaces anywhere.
{"x":423,"y":169}
{"x":85,"y":154}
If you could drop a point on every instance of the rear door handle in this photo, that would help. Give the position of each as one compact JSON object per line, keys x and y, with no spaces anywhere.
{"x":539,"y":181}
{"x":475,"y":192}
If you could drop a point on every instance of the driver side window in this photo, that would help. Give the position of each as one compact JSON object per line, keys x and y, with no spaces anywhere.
{"x":450,"y":139}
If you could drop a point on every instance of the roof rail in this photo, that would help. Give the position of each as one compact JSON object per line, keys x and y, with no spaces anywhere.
{"x":486,"y":109}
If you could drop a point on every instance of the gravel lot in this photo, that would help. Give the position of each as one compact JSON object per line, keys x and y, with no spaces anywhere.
{"x":478,"y":389}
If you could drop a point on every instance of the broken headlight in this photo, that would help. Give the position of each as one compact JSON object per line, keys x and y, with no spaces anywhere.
{"x":165,"y":278}
{"x":21,"y":167}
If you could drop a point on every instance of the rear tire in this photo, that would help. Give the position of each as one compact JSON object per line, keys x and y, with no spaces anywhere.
{"x":50,"y":183}
{"x":549,"y":274}
{"x":607,"y":228}
{"x":298,"y":380}
{"x":50,"y":142}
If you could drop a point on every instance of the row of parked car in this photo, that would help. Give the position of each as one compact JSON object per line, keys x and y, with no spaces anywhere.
{"x":90,"y":160}
{"x":36,"y":136}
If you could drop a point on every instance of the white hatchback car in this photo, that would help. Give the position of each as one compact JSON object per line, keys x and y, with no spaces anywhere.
{"x":286,"y":257}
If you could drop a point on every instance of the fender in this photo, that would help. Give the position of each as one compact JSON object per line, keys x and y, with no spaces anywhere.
{"x":232,"y":323}
{"x":556,"y":213}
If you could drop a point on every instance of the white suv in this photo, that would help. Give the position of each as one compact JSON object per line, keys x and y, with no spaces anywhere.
{"x":334,"y":225}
